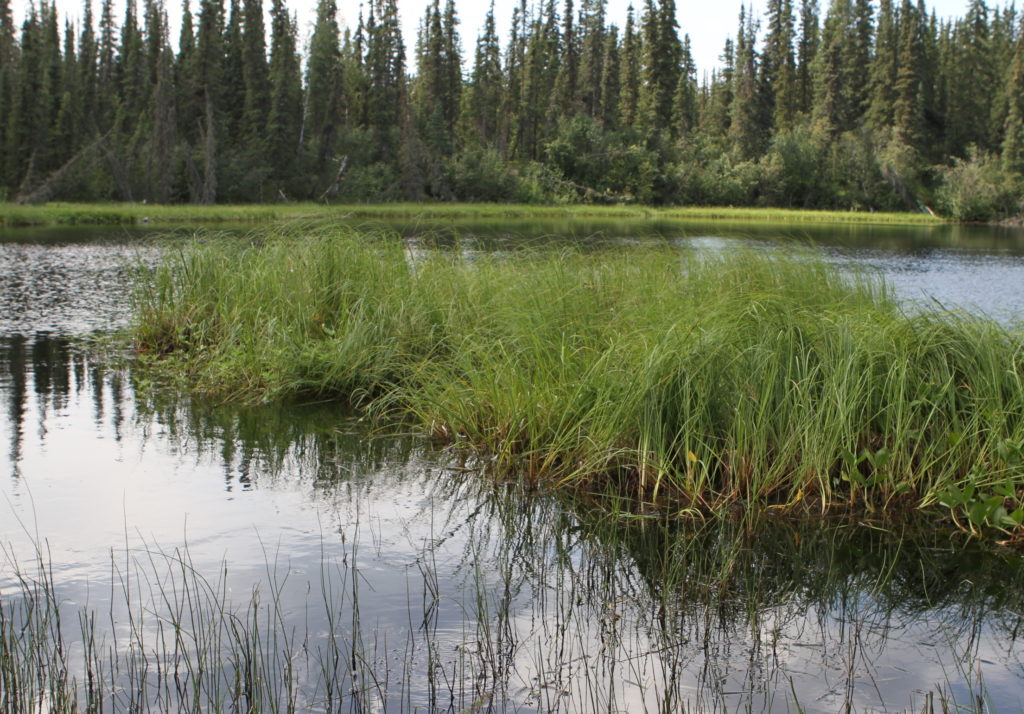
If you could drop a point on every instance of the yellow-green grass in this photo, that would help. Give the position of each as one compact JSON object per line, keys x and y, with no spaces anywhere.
{"x":137,"y":213}
{"x":691,"y":382}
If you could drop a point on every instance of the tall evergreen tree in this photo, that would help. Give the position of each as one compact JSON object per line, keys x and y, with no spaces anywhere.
{"x":284,"y":120}
{"x":1013,"y":127}
{"x":856,"y":61}
{"x":451,"y":67}
{"x":778,"y":66}
{"x":630,"y":63}
{"x":540,"y":71}
{"x":971,"y":82}
{"x":746,"y":131}
{"x":592,"y":56}
{"x":662,"y":65}
{"x":385,"y":70}
{"x":207,"y":81}
{"x":482,"y":117}
{"x":685,"y":111}
{"x":255,"y":73}
{"x":8,"y":86}
{"x":323,"y":87}
{"x":829,"y":110}
{"x":564,"y":96}
{"x":515,"y":73}
{"x":716,"y":116}
{"x":908,"y":106}
{"x":232,"y":91}
{"x":87,"y":69}
{"x":807,"y":50}
{"x":611,"y":77}
{"x":884,"y":65}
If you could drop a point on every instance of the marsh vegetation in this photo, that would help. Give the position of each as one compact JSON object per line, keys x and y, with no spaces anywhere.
{"x":681,"y":382}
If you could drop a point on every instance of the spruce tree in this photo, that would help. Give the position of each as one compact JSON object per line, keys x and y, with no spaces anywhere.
{"x":592,"y":57}
{"x":778,"y":66}
{"x":131,"y":78}
{"x":807,"y":50}
{"x":284,"y":120}
{"x":611,"y":76}
{"x":882,"y":82}
{"x":323,"y":87}
{"x":385,"y":72}
{"x":1013,"y":126}
{"x":87,"y":68}
{"x":568,"y":57}
{"x":746,"y":132}
{"x":908,"y":106}
{"x":829,"y":109}
{"x":65,"y":136}
{"x":451,"y":68}
{"x":972,"y":82}
{"x":662,"y":60}
{"x":685,"y":111}
{"x":8,"y":81}
{"x":484,"y":98}
{"x":207,"y":80}
{"x":856,"y":61}
{"x":540,"y":71}
{"x":630,"y":64}
{"x":232,"y":91}
{"x":716,"y":117}
{"x":515,"y":72}
{"x":254,"y":73}
{"x":49,"y":155}
{"x":161,"y":140}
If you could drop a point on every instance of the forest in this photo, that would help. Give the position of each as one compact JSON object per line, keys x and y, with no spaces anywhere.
{"x":855,"y":107}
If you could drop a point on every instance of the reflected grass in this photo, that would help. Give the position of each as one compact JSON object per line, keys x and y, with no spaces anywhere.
{"x":559,"y":615}
{"x":678,"y":381}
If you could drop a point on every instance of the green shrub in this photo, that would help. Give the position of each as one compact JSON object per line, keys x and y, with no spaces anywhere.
{"x":979,"y":189}
{"x":483,"y":175}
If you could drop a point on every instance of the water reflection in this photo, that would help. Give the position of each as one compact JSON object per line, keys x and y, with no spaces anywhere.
{"x":897,"y":239}
{"x":67,"y":289}
{"x":328,"y":568}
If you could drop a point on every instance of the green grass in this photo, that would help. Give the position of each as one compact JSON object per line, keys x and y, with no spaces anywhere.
{"x":135,"y":213}
{"x":690,"y":382}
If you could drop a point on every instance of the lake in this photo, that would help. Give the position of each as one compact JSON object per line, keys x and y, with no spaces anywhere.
{"x":206,"y":556}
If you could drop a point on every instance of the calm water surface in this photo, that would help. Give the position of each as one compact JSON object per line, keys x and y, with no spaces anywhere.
{"x":389,"y":569}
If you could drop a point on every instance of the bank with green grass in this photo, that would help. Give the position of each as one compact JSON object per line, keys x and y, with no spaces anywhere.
{"x":669,"y":382}
{"x":138,"y":213}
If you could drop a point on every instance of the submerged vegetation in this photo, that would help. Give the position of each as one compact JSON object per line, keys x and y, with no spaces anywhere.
{"x":670,"y":381}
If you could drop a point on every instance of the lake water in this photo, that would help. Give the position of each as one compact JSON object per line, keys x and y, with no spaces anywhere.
{"x":288,"y":556}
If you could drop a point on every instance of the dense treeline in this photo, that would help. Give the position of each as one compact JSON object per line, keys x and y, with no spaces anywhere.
{"x":868,"y":107}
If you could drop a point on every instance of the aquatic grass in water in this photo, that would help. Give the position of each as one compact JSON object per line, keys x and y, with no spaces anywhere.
{"x":557,"y":614}
{"x":689,"y":381}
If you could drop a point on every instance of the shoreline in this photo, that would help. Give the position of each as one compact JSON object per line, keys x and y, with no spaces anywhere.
{"x":68,"y":214}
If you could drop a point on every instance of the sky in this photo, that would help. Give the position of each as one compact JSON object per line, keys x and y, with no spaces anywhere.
{"x":708,"y":22}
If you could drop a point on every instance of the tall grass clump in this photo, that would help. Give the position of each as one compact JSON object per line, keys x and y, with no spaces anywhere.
{"x":690,"y":380}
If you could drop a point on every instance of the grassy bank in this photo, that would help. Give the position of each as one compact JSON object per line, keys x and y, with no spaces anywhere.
{"x":135,"y":213}
{"x":687,"y":382}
